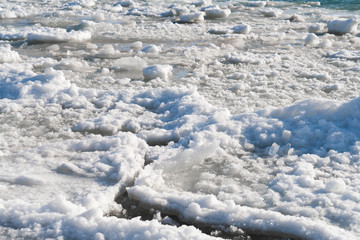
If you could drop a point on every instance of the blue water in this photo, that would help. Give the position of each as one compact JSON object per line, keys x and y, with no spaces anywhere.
{"x":334,"y":4}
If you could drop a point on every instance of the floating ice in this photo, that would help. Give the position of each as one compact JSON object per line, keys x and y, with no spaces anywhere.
{"x":345,"y":54}
{"x":341,"y":26}
{"x":297,"y":18}
{"x":7,"y":55}
{"x":223,"y":133}
{"x":336,"y":186}
{"x":130,"y":64}
{"x":136,"y":45}
{"x":315,"y":28}
{"x":256,"y":4}
{"x":271,"y":12}
{"x":216,"y":12}
{"x":53,"y":35}
{"x":202,"y":3}
{"x":252,"y":58}
{"x":125,"y":3}
{"x":242,"y":29}
{"x":14,"y":12}
{"x":157,"y":71}
{"x":192,"y":17}
{"x":153,"y":49}
{"x":312,"y":39}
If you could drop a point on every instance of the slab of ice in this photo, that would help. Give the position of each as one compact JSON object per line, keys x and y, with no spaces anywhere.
{"x":342,"y":26}
{"x":53,"y":35}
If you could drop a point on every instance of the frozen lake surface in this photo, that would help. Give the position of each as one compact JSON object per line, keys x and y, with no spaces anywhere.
{"x":179,"y":120}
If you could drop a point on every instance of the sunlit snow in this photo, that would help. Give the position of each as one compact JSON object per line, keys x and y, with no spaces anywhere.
{"x":179,"y":120}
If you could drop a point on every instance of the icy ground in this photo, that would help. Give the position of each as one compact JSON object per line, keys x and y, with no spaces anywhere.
{"x":178,"y":120}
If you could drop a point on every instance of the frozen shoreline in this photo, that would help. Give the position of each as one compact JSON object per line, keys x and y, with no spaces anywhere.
{"x":241,"y":116}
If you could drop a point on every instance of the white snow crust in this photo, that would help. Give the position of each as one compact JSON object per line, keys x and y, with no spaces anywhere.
{"x":242,"y":117}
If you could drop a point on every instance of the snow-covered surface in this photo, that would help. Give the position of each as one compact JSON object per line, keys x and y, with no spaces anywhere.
{"x":236,"y":116}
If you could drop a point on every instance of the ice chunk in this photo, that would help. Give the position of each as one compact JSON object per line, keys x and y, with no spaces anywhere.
{"x":241,"y":29}
{"x":15,"y":12}
{"x":192,"y":17}
{"x":312,"y":39}
{"x":99,"y":17}
{"x":151,"y":49}
{"x":29,"y":180}
{"x":52,"y":35}
{"x":136,"y":45}
{"x":326,"y":43}
{"x":345,"y":54}
{"x":273,"y":149}
{"x":340,"y":26}
{"x":7,"y":55}
{"x":157,"y":71}
{"x":130,"y":64}
{"x":216,"y":12}
{"x":271,"y":12}
{"x":315,"y":28}
{"x":336,"y":186}
{"x":125,"y":3}
{"x":256,"y":4}
{"x":296,"y":18}
{"x":202,"y":3}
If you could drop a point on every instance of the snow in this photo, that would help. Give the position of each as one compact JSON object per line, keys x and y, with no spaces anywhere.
{"x":153,"y":120}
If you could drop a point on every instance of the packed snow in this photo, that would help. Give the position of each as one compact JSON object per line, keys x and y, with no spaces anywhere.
{"x":179,"y":120}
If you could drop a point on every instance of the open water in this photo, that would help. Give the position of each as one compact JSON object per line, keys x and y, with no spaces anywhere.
{"x":334,"y":4}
